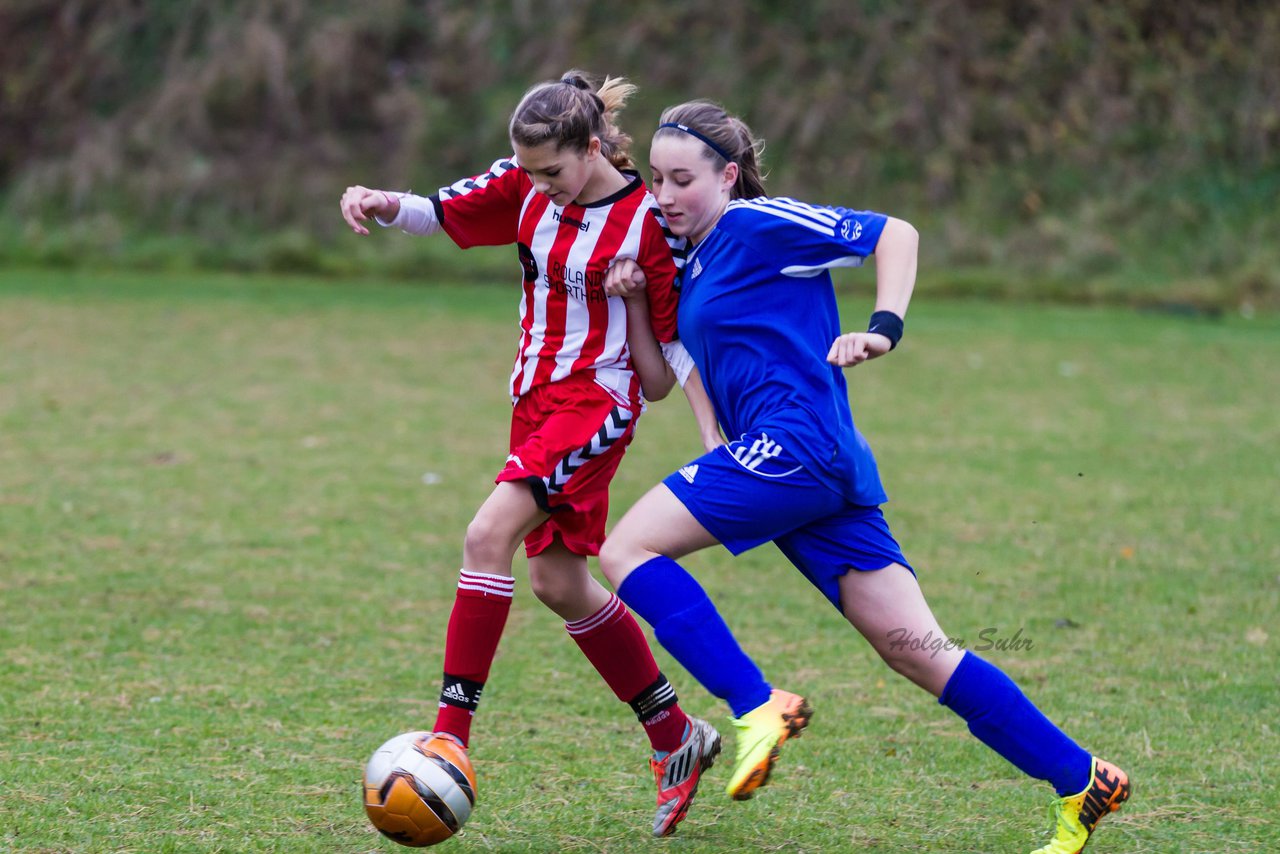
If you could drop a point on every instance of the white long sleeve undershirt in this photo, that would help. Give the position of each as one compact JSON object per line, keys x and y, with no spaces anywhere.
{"x":679,"y":360}
{"x":417,"y":215}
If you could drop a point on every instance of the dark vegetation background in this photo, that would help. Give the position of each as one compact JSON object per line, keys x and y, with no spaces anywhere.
{"x":1049,"y":149}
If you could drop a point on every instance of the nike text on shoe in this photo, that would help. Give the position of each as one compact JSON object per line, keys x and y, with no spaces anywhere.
{"x":678,"y":773}
{"x":1076,"y":816}
{"x":761,"y":733}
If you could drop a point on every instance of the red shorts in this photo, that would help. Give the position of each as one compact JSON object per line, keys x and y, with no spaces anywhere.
{"x":567,"y":439}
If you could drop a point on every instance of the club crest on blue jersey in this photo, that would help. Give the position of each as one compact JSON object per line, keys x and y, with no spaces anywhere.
{"x":759,"y":454}
{"x":850,"y":229}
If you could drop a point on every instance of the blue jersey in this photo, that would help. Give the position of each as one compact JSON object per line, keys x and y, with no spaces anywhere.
{"x":758,"y":314}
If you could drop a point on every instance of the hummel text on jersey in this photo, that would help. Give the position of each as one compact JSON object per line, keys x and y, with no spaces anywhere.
{"x":570,"y":221}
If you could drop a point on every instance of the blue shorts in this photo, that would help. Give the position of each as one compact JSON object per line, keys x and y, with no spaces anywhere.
{"x":754,"y":491}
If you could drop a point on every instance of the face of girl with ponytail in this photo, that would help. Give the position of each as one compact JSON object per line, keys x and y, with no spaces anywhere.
{"x":691,"y":191}
{"x":565,"y":140}
{"x":559,"y":172}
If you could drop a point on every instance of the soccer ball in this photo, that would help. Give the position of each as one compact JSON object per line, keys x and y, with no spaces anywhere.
{"x":419,"y":788}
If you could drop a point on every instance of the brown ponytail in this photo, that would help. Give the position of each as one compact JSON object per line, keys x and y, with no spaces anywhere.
{"x":729,"y":133}
{"x":569,"y":111}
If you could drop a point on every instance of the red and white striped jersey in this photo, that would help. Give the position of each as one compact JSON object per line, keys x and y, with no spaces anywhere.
{"x":567,"y":323}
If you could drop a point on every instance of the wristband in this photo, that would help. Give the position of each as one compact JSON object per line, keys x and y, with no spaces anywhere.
{"x":888,"y":324}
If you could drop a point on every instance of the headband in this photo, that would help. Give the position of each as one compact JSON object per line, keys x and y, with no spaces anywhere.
{"x":697,"y":135}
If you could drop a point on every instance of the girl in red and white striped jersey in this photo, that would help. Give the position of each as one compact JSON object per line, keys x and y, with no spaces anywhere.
{"x":571,"y":203}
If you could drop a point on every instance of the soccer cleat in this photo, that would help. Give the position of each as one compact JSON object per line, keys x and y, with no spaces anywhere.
{"x":761,"y":733}
{"x":455,"y":739}
{"x":1076,"y":816}
{"x":678,"y":773}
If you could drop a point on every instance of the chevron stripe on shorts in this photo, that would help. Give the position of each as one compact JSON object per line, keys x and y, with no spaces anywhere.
{"x":614,"y":426}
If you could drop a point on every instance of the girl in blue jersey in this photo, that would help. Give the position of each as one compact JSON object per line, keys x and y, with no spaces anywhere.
{"x":758,"y":314}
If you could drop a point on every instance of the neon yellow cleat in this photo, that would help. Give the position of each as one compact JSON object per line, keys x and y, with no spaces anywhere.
{"x":1077,"y":815}
{"x":761,"y":733}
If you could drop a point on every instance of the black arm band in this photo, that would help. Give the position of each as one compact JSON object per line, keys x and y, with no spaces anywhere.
{"x":888,"y":324}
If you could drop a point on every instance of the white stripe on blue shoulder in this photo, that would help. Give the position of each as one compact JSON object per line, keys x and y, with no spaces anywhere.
{"x":805,"y":272}
{"x":822,"y":220}
{"x":818,"y":212}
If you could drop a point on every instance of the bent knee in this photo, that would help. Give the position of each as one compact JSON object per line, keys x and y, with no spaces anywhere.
{"x":903,"y":664}
{"x":927,"y":668}
{"x":618,"y":556}
{"x":554,"y":589}
{"x":611,"y":557}
{"x":491,"y":538}
{"x":554,"y":596}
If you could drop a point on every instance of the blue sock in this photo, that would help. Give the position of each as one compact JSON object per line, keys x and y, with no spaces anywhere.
{"x":1002,"y":718}
{"x":688,"y":626}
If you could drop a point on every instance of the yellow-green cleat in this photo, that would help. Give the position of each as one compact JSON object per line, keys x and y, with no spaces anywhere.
{"x":760,"y":734}
{"x":1076,"y":816}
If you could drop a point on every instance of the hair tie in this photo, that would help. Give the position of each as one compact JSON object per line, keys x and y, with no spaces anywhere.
{"x":581,"y":83}
{"x":698,"y":135}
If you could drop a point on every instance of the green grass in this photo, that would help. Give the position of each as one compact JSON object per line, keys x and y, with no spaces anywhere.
{"x":224,"y":577}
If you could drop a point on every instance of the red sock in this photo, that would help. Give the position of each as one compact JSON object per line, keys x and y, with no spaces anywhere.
{"x":475,"y":626}
{"x":613,"y":642}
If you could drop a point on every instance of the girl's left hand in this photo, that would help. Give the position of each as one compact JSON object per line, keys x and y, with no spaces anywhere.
{"x":711,"y":441}
{"x":855,"y":348}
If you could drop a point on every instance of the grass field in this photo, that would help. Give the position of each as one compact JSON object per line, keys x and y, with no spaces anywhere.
{"x":230,"y":522}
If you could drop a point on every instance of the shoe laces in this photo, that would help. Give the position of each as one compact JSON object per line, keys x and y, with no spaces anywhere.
{"x":1062,"y":818}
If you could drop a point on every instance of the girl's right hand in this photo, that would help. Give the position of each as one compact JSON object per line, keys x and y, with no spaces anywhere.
{"x":359,"y":203}
{"x":625,"y":279}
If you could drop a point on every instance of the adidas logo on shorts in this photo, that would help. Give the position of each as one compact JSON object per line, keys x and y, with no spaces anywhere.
{"x":689,"y":472}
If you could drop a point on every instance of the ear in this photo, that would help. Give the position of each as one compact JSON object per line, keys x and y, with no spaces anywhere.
{"x":729,"y":178}
{"x":593,"y":148}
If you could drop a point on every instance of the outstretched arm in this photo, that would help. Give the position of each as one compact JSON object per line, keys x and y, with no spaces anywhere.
{"x":896,"y":261}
